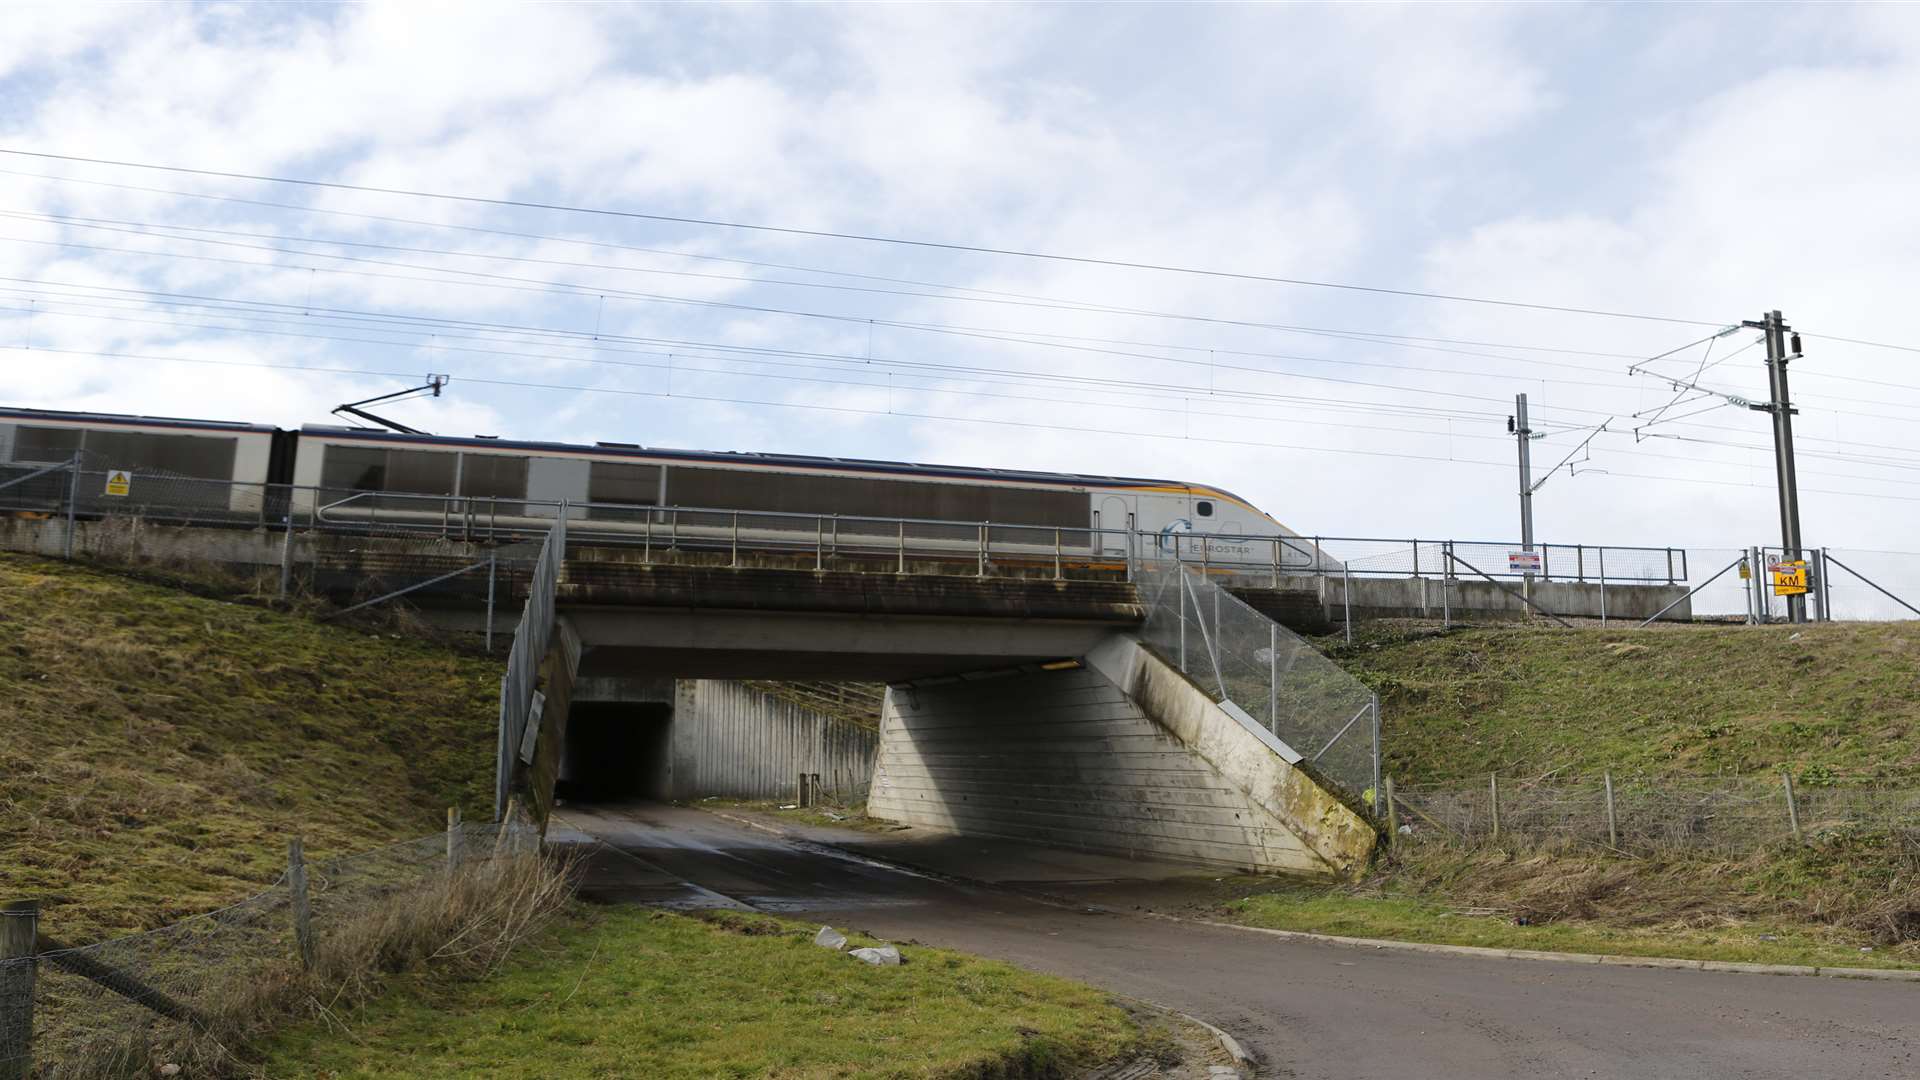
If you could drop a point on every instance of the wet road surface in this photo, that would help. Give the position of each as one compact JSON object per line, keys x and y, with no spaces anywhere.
{"x":1304,"y":1009}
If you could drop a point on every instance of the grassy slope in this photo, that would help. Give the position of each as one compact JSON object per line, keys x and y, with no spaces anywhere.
{"x":160,"y":748}
{"x":630,"y":992}
{"x":1837,"y":703}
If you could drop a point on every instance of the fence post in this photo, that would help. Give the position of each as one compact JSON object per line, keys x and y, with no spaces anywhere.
{"x":19,"y":933}
{"x":1826,"y":598}
{"x":1613,"y":822}
{"x":1793,"y":811}
{"x":1670,"y":566}
{"x":1493,"y":802}
{"x":1375,"y":705}
{"x":1346,"y":597}
{"x":302,"y":908}
{"x":1393,"y":815}
{"x":453,"y":840}
{"x":819,"y":542}
{"x":901,"y":567}
{"x":1275,"y":582}
{"x":736,"y":539}
{"x":1056,"y":554}
{"x":73,"y":498}
{"x":980,"y":569}
{"x":1446,"y":584}
{"x":286,"y":554}
{"x":1273,"y":677}
{"x":1180,"y":587}
{"x":1603,"y":586}
{"x":493,"y":557}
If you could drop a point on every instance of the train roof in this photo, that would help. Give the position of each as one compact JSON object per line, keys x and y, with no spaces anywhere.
{"x":616,"y":449}
{"x":130,"y":418}
{"x":741,"y":457}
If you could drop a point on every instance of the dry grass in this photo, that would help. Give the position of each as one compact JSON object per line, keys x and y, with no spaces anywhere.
{"x":461,"y":925}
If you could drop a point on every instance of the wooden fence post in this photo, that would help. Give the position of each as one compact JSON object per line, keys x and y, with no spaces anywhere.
{"x":1613,"y":823}
{"x":302,"y":907}
{"x":1793,"y":812}
{"x":1493,"y":802}
{"x":19,"y":933}
{"x":453,"y":840}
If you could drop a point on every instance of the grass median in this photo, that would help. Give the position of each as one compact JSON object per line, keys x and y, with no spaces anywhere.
{"x":628,"y":992}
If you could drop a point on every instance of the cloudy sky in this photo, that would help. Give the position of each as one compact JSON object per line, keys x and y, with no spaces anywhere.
{"x":1690,"y":165}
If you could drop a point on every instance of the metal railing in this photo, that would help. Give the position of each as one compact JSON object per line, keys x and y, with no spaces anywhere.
{"x":1252,"y":558}
{"x":531,"y":640}
{"x":1271,"y":676}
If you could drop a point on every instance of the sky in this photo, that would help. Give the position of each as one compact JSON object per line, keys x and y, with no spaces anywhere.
{"x":1690,"y":166}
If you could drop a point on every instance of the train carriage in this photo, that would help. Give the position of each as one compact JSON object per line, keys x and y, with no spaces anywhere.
{"x":348,"y":477}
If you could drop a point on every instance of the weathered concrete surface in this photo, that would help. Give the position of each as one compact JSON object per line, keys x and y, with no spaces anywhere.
{"x":727,"y":643}
{"x":1308,"y":1010}
{"x":1245,"y":756}
{"x":1316,"y":604}
{"x":733,"y":740}
{"x":1069,"y":758}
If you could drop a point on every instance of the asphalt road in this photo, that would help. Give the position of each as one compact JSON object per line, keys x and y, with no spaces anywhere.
{"x":1304,"y":1009}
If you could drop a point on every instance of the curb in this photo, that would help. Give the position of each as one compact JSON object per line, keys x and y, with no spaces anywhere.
{"x":1603,"y":959}
{"x":1241,"y":1059}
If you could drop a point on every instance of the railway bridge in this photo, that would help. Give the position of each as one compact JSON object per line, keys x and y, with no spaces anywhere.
{"x":1027,"y":695}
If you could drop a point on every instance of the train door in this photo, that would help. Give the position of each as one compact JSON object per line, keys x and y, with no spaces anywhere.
{"x":1114,"y":517}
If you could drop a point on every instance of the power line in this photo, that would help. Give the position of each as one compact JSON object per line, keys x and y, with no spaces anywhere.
{"x":1085,"y":260}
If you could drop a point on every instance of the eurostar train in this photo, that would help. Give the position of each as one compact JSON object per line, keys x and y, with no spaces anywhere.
{"x":328,"y":466}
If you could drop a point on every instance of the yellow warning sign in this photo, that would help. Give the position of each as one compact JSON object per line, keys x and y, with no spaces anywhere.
{"x":119,"y":482}
{"x":1746,"y":572}
{"x":1789,"y":578}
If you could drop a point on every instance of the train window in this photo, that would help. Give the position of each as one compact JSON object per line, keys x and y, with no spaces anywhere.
{"x":493,"y":476}
{"x":624,"y":483}
{"x":353,"y":468}
{"x":198,"y":456}
{"x":741,"y":489}
{"x":1203,"y":508}
{"x":420,"y":472}
{"x":44,"y":444}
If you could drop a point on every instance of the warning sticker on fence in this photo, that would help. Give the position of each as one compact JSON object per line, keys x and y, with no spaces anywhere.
{"x":1523,"y":562}
{"x":119,"y":482}
{"x":1789,"y":578}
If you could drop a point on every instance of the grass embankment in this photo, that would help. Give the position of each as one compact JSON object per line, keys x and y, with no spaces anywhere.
{"x":161,"y":747}
{"x":1836,"y":705}
{"x":629,"y":992}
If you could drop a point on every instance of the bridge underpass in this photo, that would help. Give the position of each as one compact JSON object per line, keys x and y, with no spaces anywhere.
{"x":1018,"y":708}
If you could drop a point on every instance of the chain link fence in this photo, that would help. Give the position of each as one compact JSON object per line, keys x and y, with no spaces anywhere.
{"x":1731,"y":817}
{"x":1270,"y":674}
{"x":178,"y":994}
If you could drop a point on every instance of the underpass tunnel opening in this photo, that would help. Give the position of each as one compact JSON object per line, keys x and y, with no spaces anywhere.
{"x":617,"y":751}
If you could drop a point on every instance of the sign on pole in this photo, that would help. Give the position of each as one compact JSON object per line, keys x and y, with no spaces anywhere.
{"x":1523,"y":562}
{"x":119,"y":482}
{"x":1789,"y":577}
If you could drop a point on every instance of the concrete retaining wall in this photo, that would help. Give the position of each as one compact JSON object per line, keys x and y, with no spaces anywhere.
{"x":732,"y":740}
{"x":1068,"y":758}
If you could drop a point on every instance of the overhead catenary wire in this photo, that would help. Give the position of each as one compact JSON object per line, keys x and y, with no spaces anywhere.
{"x":528,"y":204}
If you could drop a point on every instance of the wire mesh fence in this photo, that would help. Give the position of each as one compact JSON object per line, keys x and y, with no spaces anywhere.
{"x":135,"y":1003}
{"x":1269,"y":673}
{"x":1731,"y":816}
